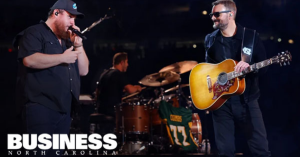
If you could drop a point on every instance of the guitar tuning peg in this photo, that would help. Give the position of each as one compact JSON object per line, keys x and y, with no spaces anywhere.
{"x":284,"y":63}
{"x":282,"y":52}
{"x":288,"y":63}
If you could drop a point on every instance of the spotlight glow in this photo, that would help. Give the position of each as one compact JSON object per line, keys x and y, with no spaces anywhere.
{"x":279,"y":40}
{"x":291,"y":41}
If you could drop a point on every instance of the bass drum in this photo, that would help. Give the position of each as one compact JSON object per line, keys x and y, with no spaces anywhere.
{"x":196,"y":129}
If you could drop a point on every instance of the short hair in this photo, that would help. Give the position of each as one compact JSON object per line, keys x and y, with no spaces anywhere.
{"x":52,"y":10}
{"x":229,"y":4}
{"x":119,"y":57}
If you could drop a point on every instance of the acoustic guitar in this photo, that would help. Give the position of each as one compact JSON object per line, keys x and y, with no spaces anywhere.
{"x":211,"y":85}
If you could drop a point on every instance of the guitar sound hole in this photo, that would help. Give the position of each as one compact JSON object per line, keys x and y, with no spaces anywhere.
{"x":222,"y":78}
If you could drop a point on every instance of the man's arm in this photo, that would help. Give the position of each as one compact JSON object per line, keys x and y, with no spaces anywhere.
{"x":259,"y":54}
{"x":83,"y":61}
{"x":42,"y":61}
{"x":132,"y":89}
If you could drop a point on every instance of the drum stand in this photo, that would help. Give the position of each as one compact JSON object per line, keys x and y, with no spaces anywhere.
{"x":161,"y":123}
{"x":123,"y":132}
{"x":151,"y":130}
{"x":157,"y":143}
{"x":123,"y":135}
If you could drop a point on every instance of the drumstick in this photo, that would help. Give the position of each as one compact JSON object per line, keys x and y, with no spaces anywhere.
{"x":133,"y":94}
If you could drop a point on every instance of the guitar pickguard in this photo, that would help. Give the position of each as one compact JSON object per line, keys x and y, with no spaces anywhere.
{"x":219,"y":89}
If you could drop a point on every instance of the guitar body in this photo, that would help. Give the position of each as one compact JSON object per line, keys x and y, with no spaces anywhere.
{"x":208,"y":92}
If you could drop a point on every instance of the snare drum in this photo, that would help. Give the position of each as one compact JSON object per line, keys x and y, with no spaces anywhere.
{"x":134,"y":116}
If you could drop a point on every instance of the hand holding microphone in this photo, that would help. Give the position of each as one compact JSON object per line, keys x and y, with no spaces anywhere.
{"x":75,"y":36}
{"x":77,"y":32}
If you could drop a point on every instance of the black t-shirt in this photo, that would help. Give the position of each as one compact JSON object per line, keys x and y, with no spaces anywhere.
{"x":110,"y":86}
{"x":53,"y":87}
{"x":232,"y":44}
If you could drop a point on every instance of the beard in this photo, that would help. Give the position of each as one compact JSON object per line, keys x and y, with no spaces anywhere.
{"x":60,"y":30}
{"x":222,"y":25}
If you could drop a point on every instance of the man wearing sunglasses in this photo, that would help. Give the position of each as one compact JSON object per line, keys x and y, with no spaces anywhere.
{"x":240,"y":111}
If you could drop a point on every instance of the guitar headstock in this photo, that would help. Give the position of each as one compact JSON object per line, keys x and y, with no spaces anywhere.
{"x":283,"y":58}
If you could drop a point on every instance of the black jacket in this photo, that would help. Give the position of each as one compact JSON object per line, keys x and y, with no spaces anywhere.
{"x":259,"y":54}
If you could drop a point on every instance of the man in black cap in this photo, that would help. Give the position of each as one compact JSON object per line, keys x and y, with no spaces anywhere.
{"x":51,"y":61}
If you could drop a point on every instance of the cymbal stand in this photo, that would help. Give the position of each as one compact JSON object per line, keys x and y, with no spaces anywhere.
{"x":162,"y":97}
{"x":179,"y":92}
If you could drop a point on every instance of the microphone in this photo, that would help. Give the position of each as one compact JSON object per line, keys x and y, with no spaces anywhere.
{"x":77,"y":32}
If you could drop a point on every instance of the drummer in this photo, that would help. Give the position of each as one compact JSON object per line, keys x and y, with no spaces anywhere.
{"x":111,"y":84}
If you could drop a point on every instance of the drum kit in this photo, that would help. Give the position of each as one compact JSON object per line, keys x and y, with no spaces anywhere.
{"x":137,"y":119}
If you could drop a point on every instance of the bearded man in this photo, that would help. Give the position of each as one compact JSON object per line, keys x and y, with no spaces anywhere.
{"x":241,"y":111}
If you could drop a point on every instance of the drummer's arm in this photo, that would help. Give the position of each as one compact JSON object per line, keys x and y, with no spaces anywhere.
{"x":132,"y":89}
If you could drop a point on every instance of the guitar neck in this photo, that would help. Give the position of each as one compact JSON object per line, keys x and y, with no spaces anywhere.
{"x":251,"y":68}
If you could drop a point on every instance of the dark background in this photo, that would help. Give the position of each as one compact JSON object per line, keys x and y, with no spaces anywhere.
{"x":156,"y":33}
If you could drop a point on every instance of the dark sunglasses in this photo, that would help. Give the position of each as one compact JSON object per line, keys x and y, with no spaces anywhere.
{"x":217,"y":14}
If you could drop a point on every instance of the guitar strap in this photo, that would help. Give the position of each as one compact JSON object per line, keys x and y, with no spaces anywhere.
{"x":247,"y":50}
{"x":247,"y":44}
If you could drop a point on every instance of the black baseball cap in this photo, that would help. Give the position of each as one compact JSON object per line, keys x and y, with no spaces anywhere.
{"x":68,"y":6}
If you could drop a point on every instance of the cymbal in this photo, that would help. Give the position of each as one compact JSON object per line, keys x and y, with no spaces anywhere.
{"x":180,"y":67}
{"x":176,"y":87}
{"x":160,"y":79}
